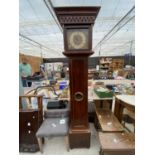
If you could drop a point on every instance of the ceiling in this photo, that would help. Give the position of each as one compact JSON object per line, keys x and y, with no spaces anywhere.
{"x":40,"y":33}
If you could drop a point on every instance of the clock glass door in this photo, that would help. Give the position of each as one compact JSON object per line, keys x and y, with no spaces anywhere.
{"x":77,"y":39}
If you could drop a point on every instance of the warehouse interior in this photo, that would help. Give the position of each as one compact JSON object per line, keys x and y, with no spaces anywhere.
{"x":77,"y":72}
{"x":76,"y":65}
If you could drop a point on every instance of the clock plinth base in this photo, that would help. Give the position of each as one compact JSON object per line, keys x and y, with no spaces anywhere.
{"x":79,"y":138}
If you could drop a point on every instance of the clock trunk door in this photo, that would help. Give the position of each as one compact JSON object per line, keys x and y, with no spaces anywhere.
{"x":79,"y":92}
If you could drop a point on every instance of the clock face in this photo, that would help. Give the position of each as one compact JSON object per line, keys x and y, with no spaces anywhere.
{"x":77,"y":39}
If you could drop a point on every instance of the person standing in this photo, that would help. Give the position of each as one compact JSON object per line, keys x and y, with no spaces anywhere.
{"x":25,"y":71}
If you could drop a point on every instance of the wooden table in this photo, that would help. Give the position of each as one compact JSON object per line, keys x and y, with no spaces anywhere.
{"x":124,"y":101}
{"x":92,"y":97}
{"x":117,"y":142}
{"x":91,"y":94}
{"x":107,"y":121}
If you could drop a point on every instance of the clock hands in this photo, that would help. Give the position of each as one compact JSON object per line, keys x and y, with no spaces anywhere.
{"x":77,"y":39}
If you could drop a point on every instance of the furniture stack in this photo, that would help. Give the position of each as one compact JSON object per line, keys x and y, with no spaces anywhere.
{"x":112,"y":136}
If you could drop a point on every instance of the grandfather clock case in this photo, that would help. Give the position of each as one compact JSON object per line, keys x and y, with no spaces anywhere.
{"x":77,"y":23}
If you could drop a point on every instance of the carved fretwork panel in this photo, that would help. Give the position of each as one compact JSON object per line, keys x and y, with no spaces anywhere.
{"x":76,"y":15}
{"x":77,"y":19}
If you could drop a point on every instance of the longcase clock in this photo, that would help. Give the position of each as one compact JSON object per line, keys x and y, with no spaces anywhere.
{"x":77,"y":25}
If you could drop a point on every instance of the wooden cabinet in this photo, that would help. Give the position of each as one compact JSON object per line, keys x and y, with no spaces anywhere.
{"x":29,"y":122}
{"x":108,"y":65}
{"x":117,"y":64}
{"x":104,"y":67}
{"x":105,"y":63}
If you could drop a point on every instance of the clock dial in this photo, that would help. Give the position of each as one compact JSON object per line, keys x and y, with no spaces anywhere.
{"x":77,"y":39}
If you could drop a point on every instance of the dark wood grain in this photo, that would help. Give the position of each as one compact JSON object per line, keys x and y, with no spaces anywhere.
{"x":119,"y":106}
{"x":79,"y":135}
{"x":104,"y":104}
{"x":107,"y":121}
{"x":79,"y":83}
{"x":79,"y":138}
{"x":78,"y":18}
{"x":117,"y":141}
{"x":29,"y":122}
{"x":76,"y":15}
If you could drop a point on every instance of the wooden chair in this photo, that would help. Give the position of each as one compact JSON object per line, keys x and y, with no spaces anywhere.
{"x":125,"y":113}
{"x":29,"y":121}
{"x":128,"y":117}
